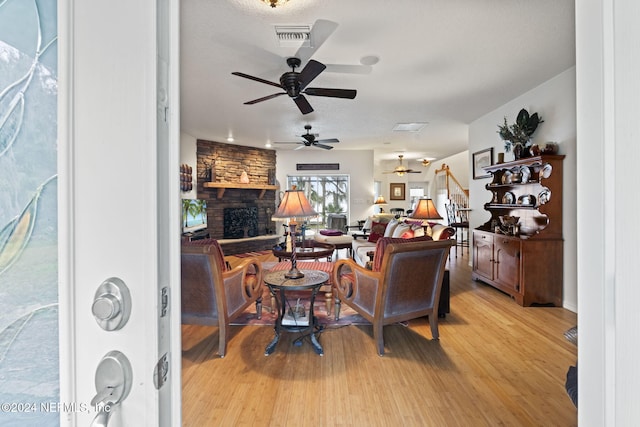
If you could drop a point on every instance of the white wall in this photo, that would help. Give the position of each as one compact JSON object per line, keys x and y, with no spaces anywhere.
{"x":358,"y":164}
{"x":555,"y":102}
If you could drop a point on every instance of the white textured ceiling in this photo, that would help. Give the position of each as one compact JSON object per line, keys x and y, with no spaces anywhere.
{"x":442,"y":62}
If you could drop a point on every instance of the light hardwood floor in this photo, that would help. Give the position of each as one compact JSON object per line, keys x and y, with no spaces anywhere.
{"x":496,"y":363}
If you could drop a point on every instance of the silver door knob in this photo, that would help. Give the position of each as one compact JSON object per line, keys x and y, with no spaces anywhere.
{"x":113,"y":383}
{"x":112,"y":304}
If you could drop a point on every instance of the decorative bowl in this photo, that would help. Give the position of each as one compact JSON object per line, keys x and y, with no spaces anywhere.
{"x":507,"y":220}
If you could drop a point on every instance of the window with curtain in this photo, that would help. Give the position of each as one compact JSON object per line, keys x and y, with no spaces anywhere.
{"x":328,"y":194}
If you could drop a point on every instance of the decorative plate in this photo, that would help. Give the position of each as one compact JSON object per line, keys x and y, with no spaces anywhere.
{"x":544,"y":196}
{"x":526,"y":174}
{"x":509,"y":198}
{"x":545,"y":172}
{"x":526,"y":200}
{"x":506,"y":177}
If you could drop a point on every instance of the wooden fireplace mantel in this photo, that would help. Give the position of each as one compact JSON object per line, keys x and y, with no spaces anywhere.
{"x":222,"y":186}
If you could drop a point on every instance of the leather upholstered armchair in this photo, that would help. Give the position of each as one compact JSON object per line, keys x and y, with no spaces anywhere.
{"x":406,"y":286}
{"x":213,"y":294}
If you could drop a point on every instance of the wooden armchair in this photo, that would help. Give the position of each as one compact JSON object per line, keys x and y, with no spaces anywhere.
{"x":406,"y":286}
{"x":213,"y":294}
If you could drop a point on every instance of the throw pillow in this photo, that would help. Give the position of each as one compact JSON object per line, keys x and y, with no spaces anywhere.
{"x":377,"y":231}
{"x":401,"y":230}
{"x":407,"y":234}
{"x":418,"y":230}
{"x":331,"y":232}
{"x":391,"y":227}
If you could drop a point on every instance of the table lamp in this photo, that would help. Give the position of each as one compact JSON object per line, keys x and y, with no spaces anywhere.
{"x":380,"y":201}
{"x":425,"y":210}
{"x":294,"y":205}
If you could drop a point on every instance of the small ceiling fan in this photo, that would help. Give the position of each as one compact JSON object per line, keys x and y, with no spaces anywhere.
{"x":295,"y":84}
{"x":400,"y":170}
{"x":309,"y":140}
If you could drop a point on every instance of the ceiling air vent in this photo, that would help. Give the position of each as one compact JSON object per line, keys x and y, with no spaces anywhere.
{"x":409,"y":127}
{"x":293,"y":35}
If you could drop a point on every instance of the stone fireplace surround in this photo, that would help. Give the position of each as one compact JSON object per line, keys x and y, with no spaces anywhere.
{"x":226,"y":163}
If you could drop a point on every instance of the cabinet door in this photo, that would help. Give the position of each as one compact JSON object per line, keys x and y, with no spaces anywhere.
{"x":483,"y":254}
{"x":507,"y":262}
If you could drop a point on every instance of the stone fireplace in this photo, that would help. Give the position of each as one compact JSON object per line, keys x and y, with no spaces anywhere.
{"x":238,"y":211}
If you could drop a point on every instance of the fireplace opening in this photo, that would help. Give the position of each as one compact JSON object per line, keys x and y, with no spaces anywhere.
{"x":240,"y":222}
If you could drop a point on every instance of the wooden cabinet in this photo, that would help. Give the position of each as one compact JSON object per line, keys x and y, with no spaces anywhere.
{"x":524,"y":261}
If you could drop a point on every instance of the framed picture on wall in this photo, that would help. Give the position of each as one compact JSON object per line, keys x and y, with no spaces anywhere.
{"x":396,"y":191}
{"x":480,"y":160}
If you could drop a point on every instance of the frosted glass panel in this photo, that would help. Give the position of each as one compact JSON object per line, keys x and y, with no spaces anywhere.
{"x":29,"y":373}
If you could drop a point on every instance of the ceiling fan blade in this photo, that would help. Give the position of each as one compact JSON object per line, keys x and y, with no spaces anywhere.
{"x":348,"y":69}
{"x":320,"y":32}
{"x":310,"y":72}
{"x":301,"y":146}
{"x":327,"y":140}
{"x":303,"y":104}
{"x":412,"y":171}
{"x":265,"y":98}
{"x":287,"y":142}
{"x":334,"y":93}
{"x":326,"y":147}
{"x":256,"y":79}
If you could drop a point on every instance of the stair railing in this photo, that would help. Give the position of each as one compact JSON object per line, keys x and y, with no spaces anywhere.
{"x":449,"y":189}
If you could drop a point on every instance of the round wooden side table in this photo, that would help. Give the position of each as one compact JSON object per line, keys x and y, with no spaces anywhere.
{"x":307,"y":325}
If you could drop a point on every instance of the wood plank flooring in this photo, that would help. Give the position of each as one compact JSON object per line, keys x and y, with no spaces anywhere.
{"x":496,"y":363}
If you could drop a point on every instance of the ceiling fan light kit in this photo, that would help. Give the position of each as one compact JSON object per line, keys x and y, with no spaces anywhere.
{"x":274,"y":3}
{"x":401,"y":170}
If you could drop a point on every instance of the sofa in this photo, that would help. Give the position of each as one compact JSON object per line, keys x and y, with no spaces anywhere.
{"x":363,"y":246}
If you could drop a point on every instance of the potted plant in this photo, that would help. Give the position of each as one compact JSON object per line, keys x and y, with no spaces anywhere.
{"x":518,"y":134}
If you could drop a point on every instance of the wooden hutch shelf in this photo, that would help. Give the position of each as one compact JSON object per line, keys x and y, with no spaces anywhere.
{"x":525,"y":262}
{"x":222,"y":186}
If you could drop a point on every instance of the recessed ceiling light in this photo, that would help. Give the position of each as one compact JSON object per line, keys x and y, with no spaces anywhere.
{"x":370,"y":60}
{"x":230,"y":139}
{"x":409,"y":127}
{"x":268,"y":145}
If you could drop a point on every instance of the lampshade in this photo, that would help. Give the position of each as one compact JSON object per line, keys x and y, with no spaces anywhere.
{"x":294,"y":205}
{"x":380,"y":201}
{"x":425,"y":209}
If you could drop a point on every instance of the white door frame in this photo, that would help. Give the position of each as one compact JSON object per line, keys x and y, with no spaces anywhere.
{"x":118,"y":208}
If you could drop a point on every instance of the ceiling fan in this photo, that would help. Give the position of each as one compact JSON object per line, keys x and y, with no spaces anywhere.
{"x":309,"y":140}
{"x":295,"y":84}
{"x":400,"y":170}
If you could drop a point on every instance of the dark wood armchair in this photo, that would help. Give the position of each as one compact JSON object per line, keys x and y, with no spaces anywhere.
{"x":213,"y":294}
{"x":406,"y":286}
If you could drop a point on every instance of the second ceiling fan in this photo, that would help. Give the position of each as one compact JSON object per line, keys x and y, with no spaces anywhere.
{"x":309,"y":140}
{"x":401,"y":169}
{"x":295,"y":84}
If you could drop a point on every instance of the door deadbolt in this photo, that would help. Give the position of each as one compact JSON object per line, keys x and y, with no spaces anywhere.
{"x":112,"y":304}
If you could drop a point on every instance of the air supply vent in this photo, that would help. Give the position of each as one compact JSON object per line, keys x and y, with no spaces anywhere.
{"x":293,"y":35}
{"x":409,"y":127}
